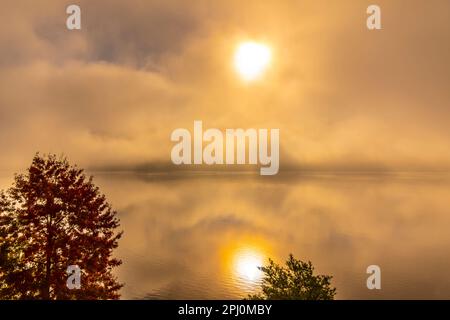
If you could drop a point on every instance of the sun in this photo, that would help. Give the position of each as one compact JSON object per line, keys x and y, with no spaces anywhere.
{"x":251,"y":59}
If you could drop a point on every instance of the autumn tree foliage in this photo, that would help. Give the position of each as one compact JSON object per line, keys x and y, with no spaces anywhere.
{"x":52,"y":217}
{"x":295,"y":281}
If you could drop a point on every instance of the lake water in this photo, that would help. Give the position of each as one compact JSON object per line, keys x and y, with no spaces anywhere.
{"x":200,"y":235}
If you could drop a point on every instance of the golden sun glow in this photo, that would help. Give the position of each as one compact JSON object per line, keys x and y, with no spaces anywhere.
{"x":251,"y":59}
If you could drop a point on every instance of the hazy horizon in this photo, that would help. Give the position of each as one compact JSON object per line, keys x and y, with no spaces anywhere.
{"x":364,"y":152}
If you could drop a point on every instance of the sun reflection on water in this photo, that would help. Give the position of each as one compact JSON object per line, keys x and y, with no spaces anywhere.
{"x":246,"y":262}
{"x":242,"y":260}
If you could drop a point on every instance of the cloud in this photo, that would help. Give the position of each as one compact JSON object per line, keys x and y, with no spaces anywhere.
{"x":112,"y":93}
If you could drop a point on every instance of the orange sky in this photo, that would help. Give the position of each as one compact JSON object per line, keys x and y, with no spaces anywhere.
{"x":343,"y":97}
{"x":111,"y":94}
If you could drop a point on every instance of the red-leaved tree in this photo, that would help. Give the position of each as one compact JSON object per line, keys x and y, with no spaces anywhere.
{"x":51,"y":218}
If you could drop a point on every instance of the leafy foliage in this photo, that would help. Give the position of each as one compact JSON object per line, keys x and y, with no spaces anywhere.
{"x":53,"y":217}
{"x":296,"y":281}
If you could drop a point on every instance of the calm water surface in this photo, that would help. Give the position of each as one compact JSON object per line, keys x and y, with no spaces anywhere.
{"x":191,"y":235}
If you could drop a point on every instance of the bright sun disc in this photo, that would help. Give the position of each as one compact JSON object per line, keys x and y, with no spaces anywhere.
{"x":251,"y":60}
